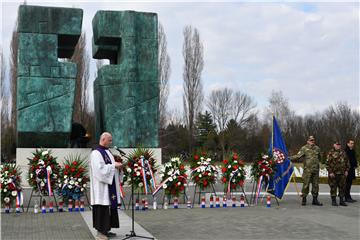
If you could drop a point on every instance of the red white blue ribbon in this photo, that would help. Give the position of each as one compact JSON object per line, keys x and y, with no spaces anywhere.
{"x":165,"y":181}
{"x":234,"y":173}
{"x":152,"y":180}
{"x":258,"y":189}
{"x":48,"y":182}
{"x":19,"y":198}
{"x":146,"y":187}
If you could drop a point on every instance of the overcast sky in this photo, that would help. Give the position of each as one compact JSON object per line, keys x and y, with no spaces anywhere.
{"x":309,"y":50}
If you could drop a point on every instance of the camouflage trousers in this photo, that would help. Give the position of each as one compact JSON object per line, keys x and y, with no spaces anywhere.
{"x":313,"y":178}
{"x":339,"y":181}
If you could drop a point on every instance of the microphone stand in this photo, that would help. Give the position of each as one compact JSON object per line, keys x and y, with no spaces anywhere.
{"x":132,"y":231}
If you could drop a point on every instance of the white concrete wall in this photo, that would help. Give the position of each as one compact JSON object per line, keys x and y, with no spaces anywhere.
{"x":23,"y":153}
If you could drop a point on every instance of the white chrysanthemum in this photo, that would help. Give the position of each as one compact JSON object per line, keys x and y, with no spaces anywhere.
{"x":128,"y":170}
{"x":5,"y":190}
{"x":45,"y":153}
{"x":59,"y":185}
{"x":179,"y":183}
{"x":84,"y":185}
{"x":76,"y":183}
{"x":209,"y":173}
{"x":14,"y":193}
{"x":171,"y":179}
{"x":42,"y":184}
{"x":1,"y":180}
{"x":198,"y":162}
{"x":198,"y":170}
{"x":162,"y":175}
{"x":202,"y":158}
{"x":208,"y":160}
{"x":235,"y":161}
{"x":48,"y":168}
{"x":71,"y":182}
{"x":7,"y":199}
{"x":137,"y":173}
{"x":141,"y":184}
{"x":41,"y":162}
{"x":70,"y":187}
{"x":135,"y":165}
{"x":233,"y":180}
{"x":200,"y":175}
{"x":65,"y":176}
{"x":82,"y":189}
{"x":65,"y":181}
{"x":9,"y":181}
{"x":229,"y":166}
{"x":80,"y":179}
{"x":164,"y":186}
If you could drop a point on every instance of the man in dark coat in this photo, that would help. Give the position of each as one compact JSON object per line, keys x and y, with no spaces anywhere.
{"x":351,"y":155}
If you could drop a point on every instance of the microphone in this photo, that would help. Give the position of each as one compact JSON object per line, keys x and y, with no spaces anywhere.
{"x":122,"y":153}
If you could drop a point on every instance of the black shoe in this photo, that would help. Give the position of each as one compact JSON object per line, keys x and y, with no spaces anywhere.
{"x":342,"y":202}
{"x":316,"y":202}
{"x":110,"y":234}
{"x":350,"y":200}
{"x":303,"y":202}
{"x":333,"y":202}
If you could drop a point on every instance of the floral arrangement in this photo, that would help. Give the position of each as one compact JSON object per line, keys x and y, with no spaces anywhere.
{"x":203,"y":172}
{"x":265,"y":167}
{"x":233,"y":173}
{"x":141,"y":166}
{"x":73,"y":178}
{"x":173,"y":177}
{"x":43,"y":172}
{"x":10,"y":182}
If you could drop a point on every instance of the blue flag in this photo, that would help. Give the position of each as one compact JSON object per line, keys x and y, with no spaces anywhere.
{"x":284,"y":168}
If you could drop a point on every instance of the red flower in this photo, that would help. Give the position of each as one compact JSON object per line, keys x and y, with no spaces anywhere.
{"x":78,"y":175}
{"x":74,"y":163}
{"x":67,"y":166}
{"x":235,"y":157}
{"x":235,"y":167}
{"x":223,"y":169}
{"x":14,"y":171}
{"x":224,"y":180}
{"x":203,"y":153}
{"x":241,"y":183}
{"x":225,"y":161}
{"x":241,"y":162}
{"x":73,"y":169}
{"x":196,"y":157}
{"x":65,"y":172}
{"x":182,"y":188}
{"x":197,"y":178}
{"x":205,"y":182}
{"x":182,"y":167}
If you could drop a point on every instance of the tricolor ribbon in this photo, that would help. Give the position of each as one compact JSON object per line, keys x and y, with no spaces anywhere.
{"x":19,"y":198}
{"x":48,"y":182}
{"x":258,"y":189}
{"x":234,"y":173}
{"x":122,"y":193}
{"x":165,"y":181}
{"x":152,"y":180}
{"x":146,"y":187}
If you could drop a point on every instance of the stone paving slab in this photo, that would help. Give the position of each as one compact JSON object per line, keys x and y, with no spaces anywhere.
{"x":125,"y":226}
{"x":44,"y":226}
{"x":289,"y":221}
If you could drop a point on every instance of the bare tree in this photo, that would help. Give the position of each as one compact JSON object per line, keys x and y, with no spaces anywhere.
{"x":193,"y":66}
{"x":82,"y":59}
{"x":164,"y":71}
{"x":279,"y":107}
{"x":220,"y":105}
{"x":243,"y":106}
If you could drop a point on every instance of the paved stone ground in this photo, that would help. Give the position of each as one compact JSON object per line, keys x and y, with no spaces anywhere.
{"x":44,"y":226}
{"x":289,"y":221}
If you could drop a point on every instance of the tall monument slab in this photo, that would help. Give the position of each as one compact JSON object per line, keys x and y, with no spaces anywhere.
{"x":45,"y":86}
{"x":126,"y":92}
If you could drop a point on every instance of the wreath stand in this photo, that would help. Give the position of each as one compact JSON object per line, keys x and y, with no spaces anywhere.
{"x":200,"y":192}
{"x":41,"y":197}
{"x":186,"y":198}
{"x":243,"y":192}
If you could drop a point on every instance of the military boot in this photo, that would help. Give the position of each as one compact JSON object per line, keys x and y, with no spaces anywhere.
{"x":316,"y":202}
{"x":333,"y":201}
{"x":342,"y":202}
{"x":303,"y":201}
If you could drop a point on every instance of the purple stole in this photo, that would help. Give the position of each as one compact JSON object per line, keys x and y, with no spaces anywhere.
{"x":112,"y":187}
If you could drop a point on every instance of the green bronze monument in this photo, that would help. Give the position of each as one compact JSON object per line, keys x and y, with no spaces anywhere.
{"x":126,"y":92}
{"x":45,"y":86}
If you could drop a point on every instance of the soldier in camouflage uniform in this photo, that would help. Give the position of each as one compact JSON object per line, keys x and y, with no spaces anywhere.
{"x":338,"y":167}
{"x":311,"y":154}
